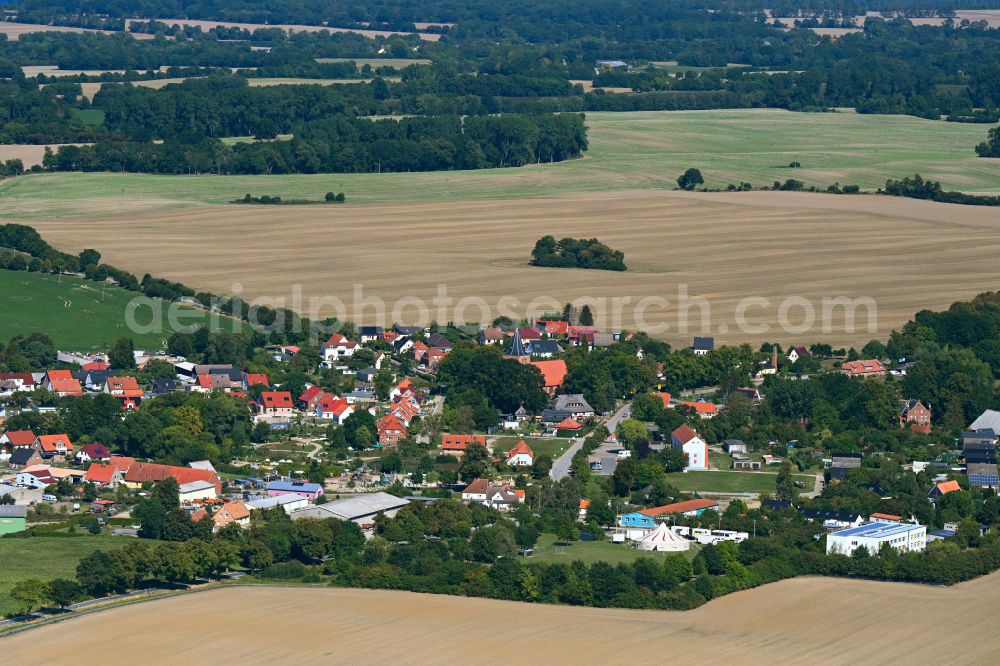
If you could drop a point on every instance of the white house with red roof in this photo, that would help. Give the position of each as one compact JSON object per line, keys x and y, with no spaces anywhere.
{"x":336,"y":348}
{"x":686,"y":438}
{"x":53,"y":445}
{"x":333,"y":408}
{"x":275,"y":403}
{"x":14,"y":439}
{"x":704,"y":410}
{"x":92,"y":452}
{"x":520,"y":456}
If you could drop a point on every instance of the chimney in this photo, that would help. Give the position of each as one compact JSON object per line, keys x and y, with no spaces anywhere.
{"x":774,"y":356}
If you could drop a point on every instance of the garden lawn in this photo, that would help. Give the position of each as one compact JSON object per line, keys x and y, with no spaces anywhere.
{"x":732,"y":482}
{"x":547,"y":552}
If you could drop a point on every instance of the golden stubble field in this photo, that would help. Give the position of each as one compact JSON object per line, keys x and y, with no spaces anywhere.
{"x":798,"y":621}
{"x":783,"y":248}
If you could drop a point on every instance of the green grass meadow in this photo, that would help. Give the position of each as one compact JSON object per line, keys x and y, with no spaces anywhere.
{"x":643,"y":150}
{"x":45,"y":558}
{"x":732,"y":482}
{"x":547,"y":552}
{"x":79,"y":314}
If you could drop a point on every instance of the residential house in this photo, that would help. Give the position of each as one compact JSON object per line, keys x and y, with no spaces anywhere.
{"x":665,"y":398}
{"x":63,"y":383}
{"x":553,"y":327}
{"x":867,"y":368}
{"x":686,"y":438}
{"x":254,"y":379}
{"x":14,"y":382}
{"x":231,"y":512}
{"x":336,"y":348}
{"x":391,"y":430}
{"x":702,"y":345}
{"x":104,"y":476}
{"x":368,"y":334}
{"x":833,"y":519}
{"x":545,"y":349}
{"x":14,"y":439}
{"x":311,"y":397}
{"x":553,"y":374}
{"x":575,"y":405}
{"x":704,"y":410}
{"x":566,"y":425}
{"x":750,"y":393}
{"x":335,"y":409}
{"x":310,"y":491}
{"x":795,"y":353}
{"x":432,"y":358}
{"x":122,"y":387}
{"x":401,"y":390}
{"x":438,"y":341}
{"x":912,"y":412}
{"x":53,"y":445}
{"x":24,"y":456}
{"x":35,"y":477}
{"x":456,"y":445}
{"x":942,"y":489}
{"x":275,"y":404}
{"x":92,"y":452}
{"x":476,"y":491}
{"x":164,"y":386}
{"x":504,"y":498}
{"x":520,"y":456}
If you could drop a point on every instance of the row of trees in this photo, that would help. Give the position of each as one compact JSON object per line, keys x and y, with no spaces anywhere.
{"x":342,"y":144}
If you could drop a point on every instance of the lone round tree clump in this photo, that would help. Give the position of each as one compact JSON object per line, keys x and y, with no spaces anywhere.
{"x":690,"y":179}
{"x":576,"y":253}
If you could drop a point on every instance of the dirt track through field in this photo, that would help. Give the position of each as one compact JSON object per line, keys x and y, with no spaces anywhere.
{"x":805,"y":620}
{"x":904,"y":254}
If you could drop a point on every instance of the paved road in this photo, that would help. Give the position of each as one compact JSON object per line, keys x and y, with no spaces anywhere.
{"x":561,"y":465}
{"x":618,"y":417}
{"x":560,"y":468}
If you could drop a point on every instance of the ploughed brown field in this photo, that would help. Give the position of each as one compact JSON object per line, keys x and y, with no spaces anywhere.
{"x":798,"y":621}
{"x":905,"y":254}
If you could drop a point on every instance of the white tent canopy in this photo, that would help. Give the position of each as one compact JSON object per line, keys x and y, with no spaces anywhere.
{"x":663,"y":539}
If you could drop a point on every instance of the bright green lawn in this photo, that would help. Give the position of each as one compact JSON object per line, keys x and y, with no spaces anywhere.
{"x":591,"y":551}
{"x":45,"y":558}
{"x":553,"y":446}
{"x":732,"y":482}
{"x":644,"y":150}
{"x":77,"y":315}
{"x":90,"y":117}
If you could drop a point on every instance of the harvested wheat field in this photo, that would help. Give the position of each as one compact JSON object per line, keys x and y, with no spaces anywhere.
{"x":804,"y":620}
{"x":15,"y":30}
{"x":30,"y":154}
{"x":904,"y":254}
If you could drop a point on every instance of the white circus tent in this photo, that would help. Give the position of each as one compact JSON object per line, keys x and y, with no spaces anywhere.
{"x":663,"y":539}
